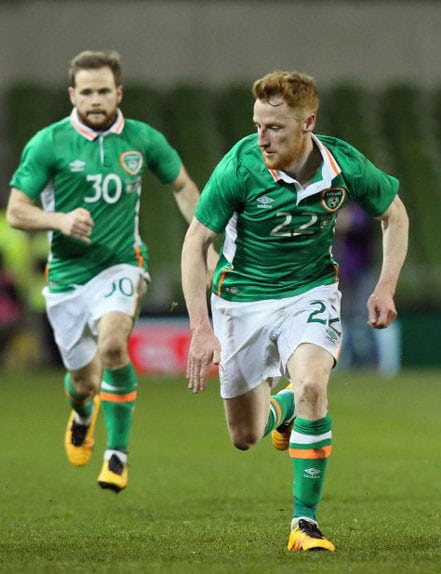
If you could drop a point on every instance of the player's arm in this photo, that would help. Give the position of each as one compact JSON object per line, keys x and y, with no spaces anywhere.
{"x":186,"y":195}
{"x":22,"y":213}
{"x":204,"y":347}
{"x":395,"y":228}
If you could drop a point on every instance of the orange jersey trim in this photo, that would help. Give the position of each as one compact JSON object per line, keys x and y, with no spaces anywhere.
{"x":274,"y":174}
{"x":139,"y":257}
{"x":278,"y":410}
{"x":112,"y":398}
{"x":221,"y":280}
{"x":311,"y":453}
{"x":332,"y":161}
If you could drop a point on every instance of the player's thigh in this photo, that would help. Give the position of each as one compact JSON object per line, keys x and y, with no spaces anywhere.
{"x":247,"y":414}
{"x":249,"y":355}
{"x":310,"y":362}
{"x":115,"y":326}
{"x":69,"y":317}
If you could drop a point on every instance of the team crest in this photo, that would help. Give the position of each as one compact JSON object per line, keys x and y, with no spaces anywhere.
{"x":333,"y":198}
{"x":131,"y":161}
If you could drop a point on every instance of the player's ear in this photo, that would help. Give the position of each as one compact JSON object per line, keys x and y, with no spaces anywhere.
{"x":119,"y":93}
{"x":309,"y":123}
{"x":71,"y":92}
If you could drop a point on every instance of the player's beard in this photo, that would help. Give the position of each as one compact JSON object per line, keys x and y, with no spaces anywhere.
{"x":98,"y":120}
{"x":284,"y":159}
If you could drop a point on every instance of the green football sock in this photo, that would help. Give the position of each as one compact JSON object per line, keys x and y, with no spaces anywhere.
{"x":81,"y":404}
{"x":118,"y":397}
{"x":309,"y":449}
{"x":281,"y":409}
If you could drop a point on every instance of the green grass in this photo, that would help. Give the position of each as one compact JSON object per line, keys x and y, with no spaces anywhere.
{"x":196,"y":505}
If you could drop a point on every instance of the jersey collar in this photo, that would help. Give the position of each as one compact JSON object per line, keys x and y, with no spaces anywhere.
{"x":329,"y":170}
{"x":90,"y":134}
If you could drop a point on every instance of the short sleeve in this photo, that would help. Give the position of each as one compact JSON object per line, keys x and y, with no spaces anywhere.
{"x":374,"y":189}
{"x":36,"y":165}
{"x":221,"y":196}
{"x":163,"y":160}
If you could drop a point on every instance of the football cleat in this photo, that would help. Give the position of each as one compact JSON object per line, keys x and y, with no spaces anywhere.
{"x":280,"y":435}
{"x":307,"y":536}
{"x":79,"y":439}
{"x":113,"y":475}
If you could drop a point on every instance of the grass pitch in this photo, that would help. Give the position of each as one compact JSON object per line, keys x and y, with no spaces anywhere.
{"x":196,"y":505}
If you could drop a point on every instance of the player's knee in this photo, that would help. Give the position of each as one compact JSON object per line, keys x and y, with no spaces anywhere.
{"x":85,"y":384}
{"x":311,"y":397}
{"x":311,"y":390}
{"x":113,"y":351}
{"x":243,"y":439}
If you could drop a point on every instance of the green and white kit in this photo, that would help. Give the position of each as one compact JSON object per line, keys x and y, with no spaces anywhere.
{"x":68,"y":165}
{"x":278,"y":233}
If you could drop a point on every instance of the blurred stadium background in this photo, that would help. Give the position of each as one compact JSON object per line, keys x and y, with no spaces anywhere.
{"x":187,"y":69}
{"x":196,"y":505}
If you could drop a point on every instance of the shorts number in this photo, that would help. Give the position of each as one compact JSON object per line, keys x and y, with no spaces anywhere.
{"x":315,"y":318}
{"x":109,"y":188}
{"x":124,"y":285}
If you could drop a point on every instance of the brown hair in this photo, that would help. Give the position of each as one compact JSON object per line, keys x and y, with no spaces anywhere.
{"x":298,"y":90}
{"x":89,"y":60}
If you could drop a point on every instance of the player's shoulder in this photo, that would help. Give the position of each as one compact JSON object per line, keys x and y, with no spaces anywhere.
{"x":245,"y":147}
{"x":52,"y":129}
{"x":134,"y":125}
{"x":50,"y":137}
{"x":245,"y":153}
{"x":348,"y":157}
{"x":146,"y":135}
{"x":341,"y":149}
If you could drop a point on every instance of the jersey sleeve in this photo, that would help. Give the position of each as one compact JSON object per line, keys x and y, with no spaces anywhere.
{"x":163,"y":160}
{"x":36,"y":166}
{"x":374,"y":189}
{"x":221,"y":196}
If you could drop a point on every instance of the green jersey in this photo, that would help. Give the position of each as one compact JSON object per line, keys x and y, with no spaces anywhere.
{"x":278,"y":234}
{"x":68,"y":165}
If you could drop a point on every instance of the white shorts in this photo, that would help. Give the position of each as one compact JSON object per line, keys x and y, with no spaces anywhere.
{"x":258,"y":338}
{"x":74,"y":315}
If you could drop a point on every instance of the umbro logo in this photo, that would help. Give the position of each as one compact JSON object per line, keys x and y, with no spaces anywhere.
{"x":77,"y":165}
{"x":312,"y":472}
{"x":264,"y":202}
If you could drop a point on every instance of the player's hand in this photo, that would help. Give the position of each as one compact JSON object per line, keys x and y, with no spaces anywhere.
{"x":78,"y":224}
{"x":381,"y":308}
{"x":204,"y":351}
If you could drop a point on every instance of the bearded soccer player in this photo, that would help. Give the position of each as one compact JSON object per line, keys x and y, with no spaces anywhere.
{"x":275,"y":299}
{"x":80,"y":179}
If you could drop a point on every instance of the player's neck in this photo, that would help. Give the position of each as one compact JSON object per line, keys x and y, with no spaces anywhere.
{"x":304,"y":169}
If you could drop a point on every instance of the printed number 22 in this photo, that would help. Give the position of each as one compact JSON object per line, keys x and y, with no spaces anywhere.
{"x":280,"y":231}
{"x":315,"y":318}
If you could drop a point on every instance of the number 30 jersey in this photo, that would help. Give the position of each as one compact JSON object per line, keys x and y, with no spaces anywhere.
{"x":67,"y":165}
{"x":278,"y":233}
